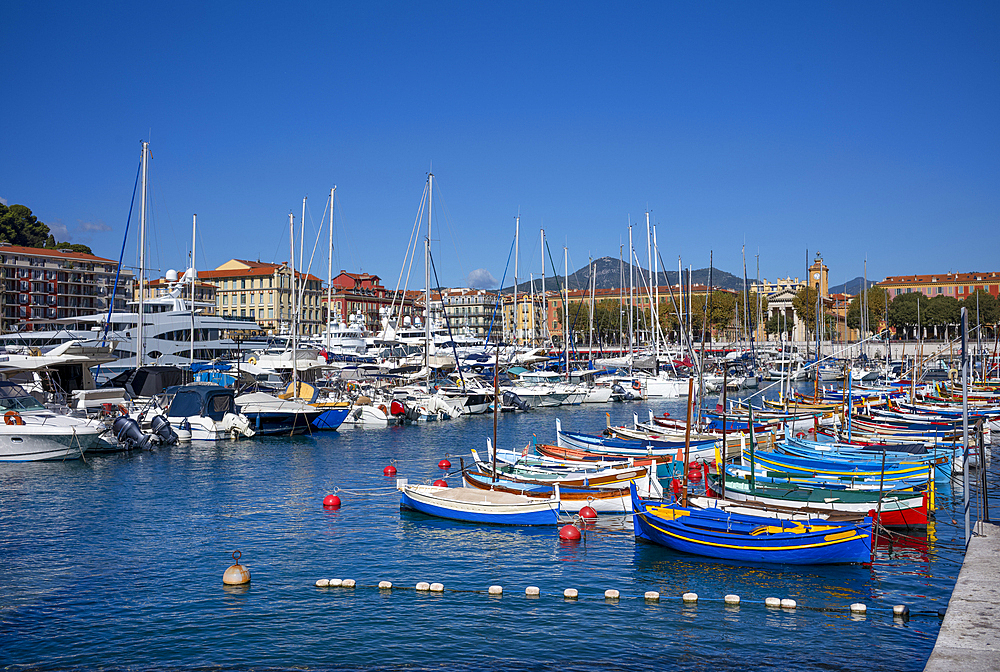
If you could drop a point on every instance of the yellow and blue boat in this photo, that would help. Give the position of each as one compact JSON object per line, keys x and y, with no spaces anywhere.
{"x":715,"y":533}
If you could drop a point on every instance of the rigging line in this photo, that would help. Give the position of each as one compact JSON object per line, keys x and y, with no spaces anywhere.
{"x":345,"y":241}
{"x":499,"y":301}
{"x":413,"y":234}
{"x":447,"y":322}
{"x":121,"y":255}
{"x":319,"y":232}
{"x":448,"y":223}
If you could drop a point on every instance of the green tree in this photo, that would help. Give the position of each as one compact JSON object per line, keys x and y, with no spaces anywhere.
{"x":805,"y":306}
{"x":878,"y":298}
{"x":987,"y":306}
{"x":19,"y":227}
{"x":904,"y":314}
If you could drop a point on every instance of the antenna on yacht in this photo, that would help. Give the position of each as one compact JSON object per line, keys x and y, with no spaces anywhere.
{"x":142,"y":255}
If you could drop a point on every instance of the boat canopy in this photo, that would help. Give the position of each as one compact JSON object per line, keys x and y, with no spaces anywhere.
{"x":203,"y":399}
{"x":13,"y":397}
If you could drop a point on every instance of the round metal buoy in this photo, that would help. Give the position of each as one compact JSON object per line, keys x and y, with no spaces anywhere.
{"x":569,"y":533}
{"x":588,"y":513}
{"x":385,"y":585}
{"x":788,"y":604}
{"x":496,"y":590}
{"x":236,"y":574}
{"x":901,"y":611}
{"x":437,"y":587}
{"x":389,"y":471}
{"x":444,"y":464}
{"x":652,"y":596}
{"x":772,"y":602}
{"x":336,"y":583}
{"x":858,"y":608}
{"x":571,"y":593}
{"x":331,"y":502}
{"x":322,"y":583}
{"x":611,"y":594}
{"x":423,"y":585}
{"x":690,"y":597}
{"x":441,"y":483}
{"x":532,"y":591}
{"x":732,"y":599}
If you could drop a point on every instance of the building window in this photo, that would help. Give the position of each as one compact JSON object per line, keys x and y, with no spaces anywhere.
{"x":243,"y":313}
{"x":243,"y":283}
{"x":270,"y":313}
{"x":251,"y":312}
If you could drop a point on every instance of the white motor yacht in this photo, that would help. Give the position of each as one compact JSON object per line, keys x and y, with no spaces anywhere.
{"x":31,"y":431}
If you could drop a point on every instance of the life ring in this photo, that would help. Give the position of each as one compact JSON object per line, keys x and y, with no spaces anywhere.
{"x":800,"y":435}
{"x":953,"y":375}
{"x":13,"y":418}
{"x":253,"y":361}
{"x":636,"y":385}
{"x":385,"y":411}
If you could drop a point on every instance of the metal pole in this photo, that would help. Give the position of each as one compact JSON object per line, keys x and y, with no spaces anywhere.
{"x":965,"y":421}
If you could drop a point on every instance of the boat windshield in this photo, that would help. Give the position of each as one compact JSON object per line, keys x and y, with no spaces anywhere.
{"x":14,"y":398}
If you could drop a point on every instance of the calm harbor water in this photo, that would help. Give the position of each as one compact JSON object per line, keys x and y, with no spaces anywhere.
{"x":117,"y":563}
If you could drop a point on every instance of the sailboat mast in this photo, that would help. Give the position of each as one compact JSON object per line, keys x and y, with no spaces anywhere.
{"x":649,"y":285}
{"x":566,"y":307}
{"x":194,"y":274}
{"x":545,"y":301}
{"x":590,"y":329}
{"x":329,"y":271}
{"x":427,"y":277}
{"x":631,"y":304}
{"x":517,"y":253}
{"x":291,"y":247}
{"x":656,"y":296}
{"x":139,"y":345}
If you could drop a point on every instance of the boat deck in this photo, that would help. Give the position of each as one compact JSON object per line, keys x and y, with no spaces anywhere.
{"x":969,"y":638}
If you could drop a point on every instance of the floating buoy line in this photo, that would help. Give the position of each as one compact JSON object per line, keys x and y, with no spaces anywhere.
{"x":899,"y":612}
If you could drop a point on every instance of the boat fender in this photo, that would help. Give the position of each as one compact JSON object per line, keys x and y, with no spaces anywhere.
{"x":252,"y":360}
{"x":13,"y":418}
{"x":800,"y":435}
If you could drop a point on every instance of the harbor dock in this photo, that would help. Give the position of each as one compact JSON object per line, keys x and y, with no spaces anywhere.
{"x":970,"y":637}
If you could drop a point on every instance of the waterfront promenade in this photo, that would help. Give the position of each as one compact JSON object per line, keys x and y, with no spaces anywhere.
{"x":970,"y":634}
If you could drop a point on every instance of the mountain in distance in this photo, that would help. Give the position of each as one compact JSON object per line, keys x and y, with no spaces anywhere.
{"x":610,"y":273}
{"x":851,"y":287}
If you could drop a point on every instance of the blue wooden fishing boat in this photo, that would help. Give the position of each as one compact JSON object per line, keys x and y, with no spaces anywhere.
{"x":717,"y":534}
{"x":631,"y":448}
{"x":891,"y":471}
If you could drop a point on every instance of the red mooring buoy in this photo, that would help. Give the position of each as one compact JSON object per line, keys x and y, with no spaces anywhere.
{"x":569,"y":533}
{"x":441,"y":483}
{"x":444,"y":464}
{"x":389,"y":471}
{"x":331,"y":502}
{"x":588,"y":513}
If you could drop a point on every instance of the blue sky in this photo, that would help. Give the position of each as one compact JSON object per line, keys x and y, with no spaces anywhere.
{"x":856,"y":129}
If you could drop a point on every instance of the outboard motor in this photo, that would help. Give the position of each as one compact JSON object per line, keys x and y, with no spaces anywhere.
{"x":396,"y":408}
{"x":129,"y":434}
{"x":621,"y":393}
{"x":510,"y":399}
{"x":161,"y":427}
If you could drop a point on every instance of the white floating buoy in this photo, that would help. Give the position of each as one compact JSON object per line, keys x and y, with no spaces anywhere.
{"x":437,"y":587}
{"x":532,"y":591}
{"x":901,"y":611}
{"x":858,"y":608}
{"x":570,"y":593}
{"x":423,"y":585}
{"x":732,"y":599}
{"x":347,"y":583}
{"x":322,"y":583}
{"x":772,"y":602}
{"x":335,"y":583}
{"x":611,"y":594}
{"x":652,"y":596}
{"x":690,"y":597}
{"x":385,"y":585}
{"x":496,"y":590}
{"x":788,"y":604}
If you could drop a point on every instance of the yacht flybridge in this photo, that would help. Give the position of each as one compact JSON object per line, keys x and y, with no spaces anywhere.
{"x":166,"y":337}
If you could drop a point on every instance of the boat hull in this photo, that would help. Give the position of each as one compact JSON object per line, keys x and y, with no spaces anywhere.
{"x":475,"y":506}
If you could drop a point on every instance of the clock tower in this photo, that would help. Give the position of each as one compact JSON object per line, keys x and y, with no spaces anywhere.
{"x":819,"y":276}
